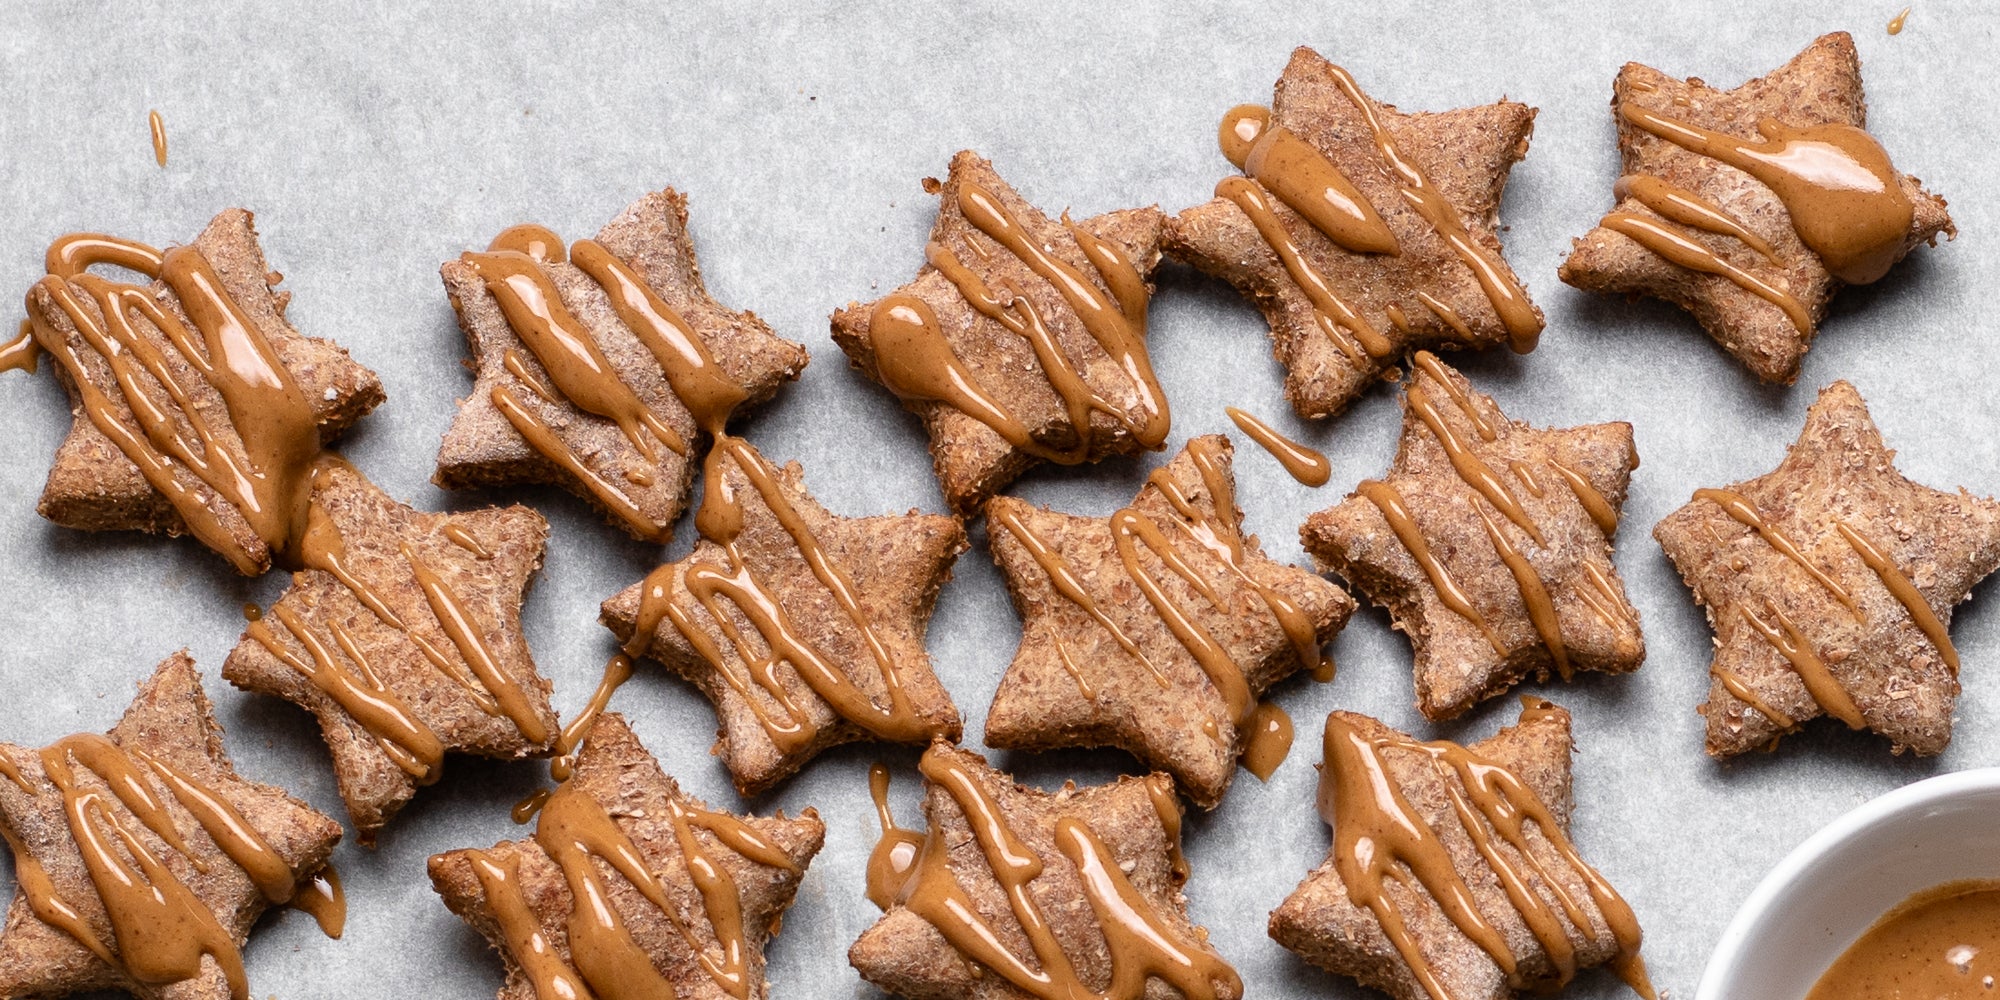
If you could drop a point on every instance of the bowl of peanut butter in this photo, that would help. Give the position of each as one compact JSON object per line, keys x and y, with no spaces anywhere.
{"x":1899,"y":898}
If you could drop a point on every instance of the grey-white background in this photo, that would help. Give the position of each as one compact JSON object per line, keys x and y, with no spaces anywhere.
{"x":378,"y":140}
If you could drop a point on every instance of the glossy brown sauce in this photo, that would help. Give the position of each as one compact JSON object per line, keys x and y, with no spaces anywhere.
{"x":895,"y":853}
{"x":1940,"y":944}
{"x":1896,"y":23}
{"x":21,"y":353}
{"x":1679,"y":249}
{"x":1305,"y":180}
{"x":1141,"y":945}
{"x":1845,"y":198}
{"x":1306,"y":465}
{"x":158,"y":127}
{"x":1380,"y":837}
{"x":1678,"y":204}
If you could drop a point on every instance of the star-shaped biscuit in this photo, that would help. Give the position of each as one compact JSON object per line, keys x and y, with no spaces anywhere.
{"x":1361,"y":232}
{"x":1157,"y":629}
{"x":187,"y":854}
{"x":1451,"y":874}
{"x":201,"y":345}
{"x":631,"y":887}
{"x":603,"y":367}
{"x":1489,"y":542}
{"x":1022,"y":339}
{"x":402,"y":636}
{"x":805,"y":628}
{"x":1017,"y":893}
{"x":1710,"y":218}
{"x":1829,"y":582}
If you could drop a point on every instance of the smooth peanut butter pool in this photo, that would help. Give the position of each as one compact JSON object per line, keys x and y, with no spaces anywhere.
{"x":1940,"y":944}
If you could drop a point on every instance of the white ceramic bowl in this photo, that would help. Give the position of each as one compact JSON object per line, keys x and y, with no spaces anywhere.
{"x":1843,"y":878}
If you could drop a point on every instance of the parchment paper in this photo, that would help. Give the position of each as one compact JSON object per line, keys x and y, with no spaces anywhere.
{"x":375,"y":141}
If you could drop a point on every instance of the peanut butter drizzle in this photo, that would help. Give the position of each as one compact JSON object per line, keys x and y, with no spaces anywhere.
{"x":264,"y":473}
{"x":1534,"y":594}
{"x":409,"y":743}
{"x":720,"y":521}
{"x":1140,"y":944}
{"x":1845,"y":198}
{"x":577,"y":833}
{"x":1336,"y":317}
{"x":162,"y":929}
{"x":325,"y":901}
{"x":1267,"y":740}
{"x":653,"y":603}
{"x":21,"y":353}
{"x":1743,"y":692}
{"x":698,"y":380}
{"x":1304,"y":464}
{"x":1896,"y":23}
{"x":1678,"y":204}
{"x":1302,"y":177}
{"x":1379,"y":837}
{"x":464,"y":539}
{"x":1508,"y":298}
{"x":1740,"y":507}
{"x":1685,"y":252}
{"x":469,"y":635}
{"x":1167,"y":803}
{"x":895,"y":853}
{"x":916,"y":362}
{"x":158,"y":127}
{"x":1396,"y":511}
{"x":1431,"y":366}
{"x":1906,"y":592}
{"x":1076,"y":673}
{"x":541,"y":437}
{"x":1600,"y":510}
{"x":1813,"y":671}
{"x":1526,"y":475}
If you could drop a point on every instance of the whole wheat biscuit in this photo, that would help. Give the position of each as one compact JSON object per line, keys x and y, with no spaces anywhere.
{"x":604,"y":367}
{"x":1157,"y":629}
{"x":403,"y":638}
{"x":1362,"y":232}
{"x":1022,"y":339}
{"x":1489,"y":542}
{"x":631,"y":887}
{"x":158,"y":807}
{"x":164,"y":344}
{"x":1830,"y":583}
{"x":1708,"y":217}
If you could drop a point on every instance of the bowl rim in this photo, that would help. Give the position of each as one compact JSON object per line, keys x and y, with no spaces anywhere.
{"x":1757,"y":907}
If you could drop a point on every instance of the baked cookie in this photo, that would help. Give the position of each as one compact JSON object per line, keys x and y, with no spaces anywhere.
{"x":1022,"y":339}
{"x":805,"y":628}
{"x":630,"y":887}
{"x":402,"y":636}
{"x":1158,"y":629}
{"x":1751,"y":207}
{"x":1451,"y":875}
{"x":1829,"y":582}
{"x":1018,"y":894}
{"x":602,"y":368}
{"x":143,"y":859}
{"x":196,"y":408}
{"x":1361,"y":232}
{"x":1489,"y":542}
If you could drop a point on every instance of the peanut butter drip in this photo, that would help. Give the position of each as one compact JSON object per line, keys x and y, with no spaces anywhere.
{"x":1475,"y":473}
{"x":515,"y":269}
{"x":655,"y":595}
{"x":1845,"y":198}
{"x":260,"y":464}
{"x":1140,"y":943}
{"x":1678,"y":248}
{"x":1304,"y":464}
{"x":586,"y":843}
{"x":1508,"y":299}
{"x":1380,"y":837}
{"x":1678,"y":204}
{"x":1305,"y":180}
{"x":757,"y":662}
{"x":895,"y":853}
{"x":1741,"y":508}
{"x":1213,"y":530}
{"x":917,"y":362}
{"x":21,"y":353}
{"x":1896,"y":23}
{"x":1785,"y":637}
{"x":160,"y":929}
{"x":158,"y":126}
